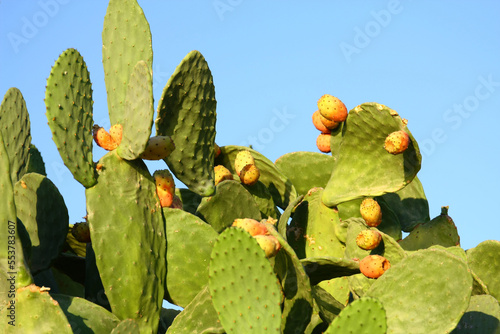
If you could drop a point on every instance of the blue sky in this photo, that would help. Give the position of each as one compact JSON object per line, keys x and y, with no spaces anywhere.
{"x":435,"y":62}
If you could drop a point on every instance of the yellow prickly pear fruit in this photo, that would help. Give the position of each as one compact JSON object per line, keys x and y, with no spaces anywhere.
{"x":221,"y":174}
{"x":116,"y":132}
{"x":323,"y":142}
{"x":318,"y":124}
{"x":373,"y":266}
{"x":251,"y":226}
{"x":165,"y":187}
{"x":269,"y":244}
{"x":242,"y":159}
{"x":158,"y":147}
{"x":371,"y":212}
{"x":332,"y":108}
{"x":103,"y":139}
{"x":397,"y":142}
{"x":368,"y":239}
{"x":249,"y":175}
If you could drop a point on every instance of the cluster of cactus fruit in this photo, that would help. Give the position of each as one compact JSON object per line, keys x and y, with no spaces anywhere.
{"x":310,"y":243}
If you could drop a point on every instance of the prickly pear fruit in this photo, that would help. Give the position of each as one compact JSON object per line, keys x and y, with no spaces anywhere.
{"x":318,"y":124}
{"x":368,"y":239}
{"x":330,"y":125}
{"x":373,"y":266}
{"x":332,"y":108}
{"x":251,"y":226}
{"x":269,"y":244}
{"x":103,"y":139}
{"x":249,"y":175}
{"x":323,"y":142}
{"x":371,"y":212}
{"x":165,"y":187}
{"x":158,"y":147}
{"x":116,"y":132}
{"x":217,"y":150}
{"x":242,"y":159}
{"x":397,"y":142}
{"x":177,"y":203}
{"x":81,"y":232}
{"x":221,"y":174}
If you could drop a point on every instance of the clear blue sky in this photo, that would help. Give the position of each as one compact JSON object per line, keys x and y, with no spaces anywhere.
{"x":435,"y":62}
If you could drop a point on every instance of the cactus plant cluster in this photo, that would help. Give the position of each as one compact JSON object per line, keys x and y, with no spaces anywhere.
{"x":310,"y":243}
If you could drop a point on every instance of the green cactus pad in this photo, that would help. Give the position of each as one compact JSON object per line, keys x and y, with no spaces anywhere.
{"x":68,"y":99}
{"x":482,"y":316}
{"x":328,"y":306}
{"x":10,"y":235}
{"x":67,"y":285}
{"x":138,"y":113}
{"x":484,"y":262}
{"x":43,"y":212}
{"x":190,"y":200}
{"x":231,"y":201}
{"x":325,"y":268}
{"x":94,"y":290}
{"x":409,"y":204}
{"x":285,"y":216}
{"x":317,"y":222}
{"x":167,"y":317}
{"x":439,"y":231}
{"x":189,"y":245}
{"x":243,"y":285}
{"x":363,"y":167}
{"x":84,"y":316}
{"x":365,"y":315}
{"x":77,"y":247}
{"x":35,"y":161}
{"x":126,"y":39}
{"x":336,"y":139}
{"x":298,"y":303}
{"x":128,"y":237}
{"x":426,"y":292}
{"x":15,"y":129}
{"x":263,"y":199}
{"x":126,"y":326}
{"x":306,"y":170}
{"x":199,"y":316}
{"x":36,"y":312}
{"x":280,"y":187}
{"x":186,"y":113}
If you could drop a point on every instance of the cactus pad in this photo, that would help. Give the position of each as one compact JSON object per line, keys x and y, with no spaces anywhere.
{"x":484,"y":261}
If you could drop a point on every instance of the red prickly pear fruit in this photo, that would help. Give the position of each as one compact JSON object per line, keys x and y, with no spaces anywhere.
{"x":323,"y":142}
{"x":217,"y":150}
{"x":368,"y":239}
{"x":371,"y":212}
{"x":116,"y":132}
{"x":103,"y":139}
{"x":251,"y":226}
{"x":177,"y":203}
{"x":318,"y":124}
{"x":373,"y":266}
{"x":158,"y":147}
{"x":269,"y":244}
{"x":397,"y":142}
{"x":332,"y":108}
{"x":81,"y":232}
{"x":221,"y":174}
{"x":242,"y":159}
{"x":249,"y":175}
{"x":165,"y":187}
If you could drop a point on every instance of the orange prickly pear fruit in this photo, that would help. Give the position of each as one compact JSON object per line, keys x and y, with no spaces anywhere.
{"x":332,"y":108}
{"x":373,"y":266}
{"x":158,"y":147}
{"x":249,"y":175}
{"x":176,"y":203}
{"x":269,"y":244}
{"x":217,"y":150}
{"x":318,"y":124}
{"x":397,"y":142}
{"x":103,"y":139}
{"x":242,"y":159}
{"x":165,"y":187}
{"x":221,"y":174}
{"x":323,"y":142}
{"x":368,"y":239}
{"x":371,"y":212}
{"x":251,"y":226}
{"x":81,"y":232}
{"x":116,"y":132}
